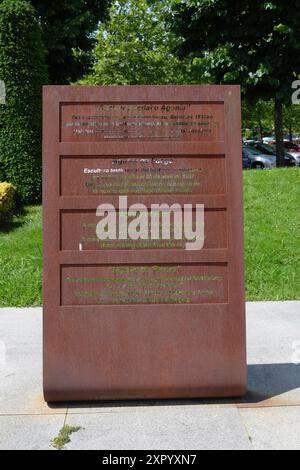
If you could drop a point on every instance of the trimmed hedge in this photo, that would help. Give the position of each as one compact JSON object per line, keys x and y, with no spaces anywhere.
{"x":22,"y":68}
{"x":7,"y":200}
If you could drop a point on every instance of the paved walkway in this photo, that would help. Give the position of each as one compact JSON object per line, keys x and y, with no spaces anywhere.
{"x":269,"y":417}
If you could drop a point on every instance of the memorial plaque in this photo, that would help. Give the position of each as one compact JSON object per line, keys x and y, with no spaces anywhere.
{"x":143,"y":243}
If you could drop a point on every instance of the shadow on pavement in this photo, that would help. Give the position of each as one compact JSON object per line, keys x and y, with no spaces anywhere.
{"x":265,"y":382}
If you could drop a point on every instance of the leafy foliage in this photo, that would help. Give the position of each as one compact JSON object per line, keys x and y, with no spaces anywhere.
{"x":258,"y":119}
{"x":254,"y":43}
{"x":22,"y":68}
{"x":68,"y":28}
{"x":7,"y":200}
{"x":135,"y":47}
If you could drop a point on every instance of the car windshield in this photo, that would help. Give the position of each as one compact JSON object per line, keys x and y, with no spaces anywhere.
{"x":253,"y":151}
{"x":271,"y":149}
{"x":268,"y":148}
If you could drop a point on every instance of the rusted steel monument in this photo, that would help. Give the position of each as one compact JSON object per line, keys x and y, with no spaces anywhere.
{"x":130,"y":318}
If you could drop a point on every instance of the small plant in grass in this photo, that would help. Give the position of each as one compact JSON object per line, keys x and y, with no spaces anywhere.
{"x":64,"y":437}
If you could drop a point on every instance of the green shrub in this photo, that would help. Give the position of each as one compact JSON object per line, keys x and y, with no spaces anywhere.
{"x":7,"y":200}
{"x":23,"y":70}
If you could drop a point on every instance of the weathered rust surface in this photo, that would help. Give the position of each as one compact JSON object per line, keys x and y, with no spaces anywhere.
{"x":129,"y":321}
{"x":88,"y":176}
{"x":78,"y":226}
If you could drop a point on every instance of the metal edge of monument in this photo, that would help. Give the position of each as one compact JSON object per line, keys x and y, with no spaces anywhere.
{"x":142,"y":317}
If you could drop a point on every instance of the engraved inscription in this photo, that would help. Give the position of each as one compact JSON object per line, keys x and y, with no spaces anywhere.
{"x":143,"y":175}
{"x":79,"y":230}
{"x":188,"y":284}
{"x":142,"y":122}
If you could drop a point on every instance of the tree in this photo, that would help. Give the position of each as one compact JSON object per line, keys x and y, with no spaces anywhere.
{"x":254,"y":43}
{"x":291,"y":119}
{"x":68,"y":28}
{"x":135,"y":47}
{"x":257,"y":119}
{"x":23,"y":70}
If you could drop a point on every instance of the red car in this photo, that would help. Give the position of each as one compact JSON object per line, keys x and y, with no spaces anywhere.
{"x":291,"y":147}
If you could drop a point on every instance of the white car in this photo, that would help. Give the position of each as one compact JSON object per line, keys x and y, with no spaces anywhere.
{"x":254,"y":159}
{"x":293,"y":150}
{"x":269,"y":140}
{"x":296,"y":157}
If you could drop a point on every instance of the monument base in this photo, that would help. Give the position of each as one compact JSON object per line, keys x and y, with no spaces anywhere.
{"x":80,"y":395}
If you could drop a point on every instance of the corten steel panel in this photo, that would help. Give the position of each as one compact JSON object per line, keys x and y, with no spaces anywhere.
{"x":93,"y":122}
{"x":153,"y":321}
{"x":78,"y":232}
{"x":94,"y":285}
{"x":179,"y":175}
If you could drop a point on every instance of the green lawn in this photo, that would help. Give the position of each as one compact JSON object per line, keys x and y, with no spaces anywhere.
{"x":272,"y":229}
{"x":21,"y":260}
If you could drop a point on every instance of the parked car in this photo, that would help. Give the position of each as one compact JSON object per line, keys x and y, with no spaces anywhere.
{"x":249,"y":142}
{"x":253,"y":158}
{"x":246,"y":161}
{"x":269,"y":140}
{"x":291,"y":147}
{"x":290,"y":159}
{"x":264,"y":148}
{"x":294,"y":151}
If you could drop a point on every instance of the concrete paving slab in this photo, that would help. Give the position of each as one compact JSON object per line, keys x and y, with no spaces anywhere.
{"x":166,"y":428}
{"x":29,"y":432}
{"x":21,"y":363}
{"x":273,"y":428}
{"x":273,"y":331}
{"x":274,"y":383}
{"x":273,"y":348}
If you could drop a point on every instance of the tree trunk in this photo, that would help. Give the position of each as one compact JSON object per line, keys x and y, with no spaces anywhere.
{"x":291,"y":132}
{"x":261,"y":131}
{"x":279,"y":132}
